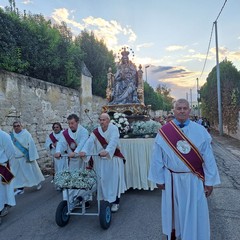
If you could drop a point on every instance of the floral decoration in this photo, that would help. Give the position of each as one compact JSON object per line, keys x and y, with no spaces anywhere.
{"x":145,"y":127}
{"x":120,"y":120}
{"x":81,"y":179}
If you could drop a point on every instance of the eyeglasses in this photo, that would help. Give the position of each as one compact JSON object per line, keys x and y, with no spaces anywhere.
{"x":16,"y":126}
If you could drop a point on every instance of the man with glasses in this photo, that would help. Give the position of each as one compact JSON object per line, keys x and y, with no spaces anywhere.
{"x":25,"y":167}
{"x":60,"y":164}
{"x":7,"y":198}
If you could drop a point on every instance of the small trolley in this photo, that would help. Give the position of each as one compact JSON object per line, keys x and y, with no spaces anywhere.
{"x":78,"y":189}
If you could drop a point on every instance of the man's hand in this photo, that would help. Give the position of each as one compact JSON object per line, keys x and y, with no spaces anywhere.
{"x":208,"y":190}
{"x":82,"y":154}
{"x":161,"y":186}
{"x":103,"y":153}
{"x":72,"y":154}
{"x":57,"y":155}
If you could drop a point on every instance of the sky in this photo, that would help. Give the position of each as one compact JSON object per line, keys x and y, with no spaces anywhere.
{"x":171,"y":37}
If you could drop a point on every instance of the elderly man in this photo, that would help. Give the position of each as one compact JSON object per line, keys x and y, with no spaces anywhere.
{"x":110,"y":163}
{"x":72,"y":141}
{"x":52,"y":139}
{"x":7,"y":198}
{"x":184,"y":167}
{"x":25,"y":168}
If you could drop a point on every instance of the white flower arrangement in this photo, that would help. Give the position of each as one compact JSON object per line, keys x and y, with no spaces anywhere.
{"x":120,"y":120}
{"x":80,"y":179}
{"x":145,"y":127}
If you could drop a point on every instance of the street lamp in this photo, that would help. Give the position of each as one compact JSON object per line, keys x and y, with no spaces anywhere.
{"x":146,"y":71}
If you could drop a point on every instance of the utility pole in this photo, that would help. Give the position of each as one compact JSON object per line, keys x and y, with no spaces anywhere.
{"x":187,"y":96}
{"x":198,"y":98}
{"x":220,"y":127}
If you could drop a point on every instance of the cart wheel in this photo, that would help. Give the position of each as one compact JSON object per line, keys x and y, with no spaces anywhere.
{"x":61,"y":216}
{"x":105,"y":215}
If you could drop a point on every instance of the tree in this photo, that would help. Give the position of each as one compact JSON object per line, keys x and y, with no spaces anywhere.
{"x":97,"y":59}
{"x":230,"y":89}
{"x":167,"y":99}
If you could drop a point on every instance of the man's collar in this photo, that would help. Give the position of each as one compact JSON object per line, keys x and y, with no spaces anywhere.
{"x":178,"y":123}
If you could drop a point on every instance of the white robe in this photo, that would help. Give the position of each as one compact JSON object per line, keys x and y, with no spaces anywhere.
{"x":109,"y":169}
{"x":190,"y":204}
{"x":27,"y":173}
{"x":6,"y":154}
{"x":80,"y":137}
{"x":60,"y":164}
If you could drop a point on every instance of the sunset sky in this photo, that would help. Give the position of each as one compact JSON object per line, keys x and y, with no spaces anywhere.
{"x":172,"y":37}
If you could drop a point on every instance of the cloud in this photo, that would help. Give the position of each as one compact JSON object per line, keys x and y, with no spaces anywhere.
{"x":175,"y":48}
{"x":161,"y":69}
{"x":110,"y":31}
{"x":144,"y":45}
{"x":27,"y":2}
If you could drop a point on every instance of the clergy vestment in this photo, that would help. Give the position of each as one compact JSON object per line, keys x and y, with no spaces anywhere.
{"x":191,"y":217}
{"x":111,"y":168}
{"x":6,"y":155}
{"x":60,"y":164}
{"x":26,"y":170}
{"x":79,"y":137}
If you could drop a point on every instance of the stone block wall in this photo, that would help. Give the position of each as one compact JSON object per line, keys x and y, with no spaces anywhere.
{"x":37,"y":104}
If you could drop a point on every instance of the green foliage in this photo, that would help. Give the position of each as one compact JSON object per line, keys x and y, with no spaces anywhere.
{"x":97,"y":59}
{"x":31,"y":45}
{"x":230,"y":88}
{"x":152,"y":98}
{"x":164,"y":92}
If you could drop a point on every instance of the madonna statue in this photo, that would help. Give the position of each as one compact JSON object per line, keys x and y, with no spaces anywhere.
{"x":125,"y":82}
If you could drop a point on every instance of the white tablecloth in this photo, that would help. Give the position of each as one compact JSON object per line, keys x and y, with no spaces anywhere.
{"x":137,"y":152}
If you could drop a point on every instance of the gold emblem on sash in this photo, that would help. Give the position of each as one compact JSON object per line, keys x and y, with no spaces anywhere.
{"x":183,"y":146}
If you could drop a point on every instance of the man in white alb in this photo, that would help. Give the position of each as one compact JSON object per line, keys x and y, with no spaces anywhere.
{"x":72,"y":141}
{"x":103,"y":141}
{"x":25,"y":167}
{"x":7,"y":198}
{"x":184,"y":167}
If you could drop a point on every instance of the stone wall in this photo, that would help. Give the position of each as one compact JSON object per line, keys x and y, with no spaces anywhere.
{"x":37,"y":104}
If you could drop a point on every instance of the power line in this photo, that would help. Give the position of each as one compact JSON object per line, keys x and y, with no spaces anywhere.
{"x":221,"y":10}
{"x":204,"y":65}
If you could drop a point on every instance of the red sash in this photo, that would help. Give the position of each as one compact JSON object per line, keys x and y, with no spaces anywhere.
{"x":72,"y":144}
{"x":104,"y":144}
{"x":6,"y":174}
{"x":52,"y":137}
{"x":193,"y":159}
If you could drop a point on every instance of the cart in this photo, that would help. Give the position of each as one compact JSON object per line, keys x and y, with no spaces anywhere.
{"x":77,"y":205}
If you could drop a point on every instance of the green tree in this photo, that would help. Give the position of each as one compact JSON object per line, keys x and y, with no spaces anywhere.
{"x":164,"y":92}
{"x":230,"y":89}
{"x":97,"y":59}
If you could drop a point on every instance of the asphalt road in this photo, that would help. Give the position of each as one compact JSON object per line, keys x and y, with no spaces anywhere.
{"x":139,"y":217}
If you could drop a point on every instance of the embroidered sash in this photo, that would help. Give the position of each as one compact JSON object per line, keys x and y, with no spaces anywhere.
{"x":104,"y":144}
{"x":52,"y":137}
{"x":183,"y":147}
{"x":20,"y":146}
{"x":6,"y":174}
{"x":72,"y":144}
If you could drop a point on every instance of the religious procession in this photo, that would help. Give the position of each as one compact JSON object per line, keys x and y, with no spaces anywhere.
{"x":91,"y":165}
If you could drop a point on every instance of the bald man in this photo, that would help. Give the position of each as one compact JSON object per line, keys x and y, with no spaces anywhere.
{"x":109,"y":163}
